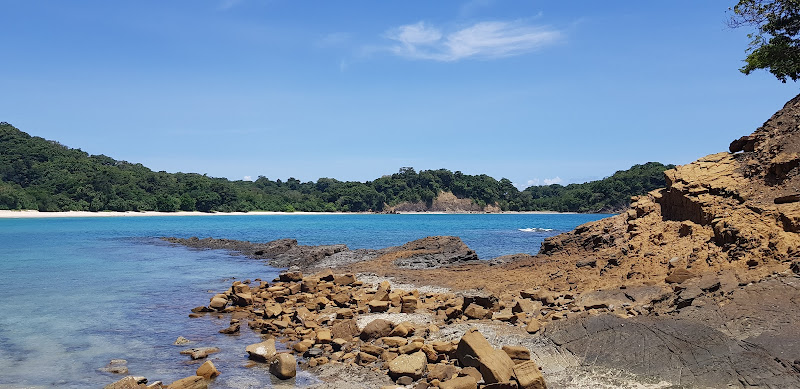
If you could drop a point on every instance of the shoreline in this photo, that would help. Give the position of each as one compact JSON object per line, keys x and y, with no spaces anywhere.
{"x":32,"y":214}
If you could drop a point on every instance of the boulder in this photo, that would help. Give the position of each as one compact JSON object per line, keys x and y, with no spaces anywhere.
{"x":218,"y":303}
{"x":207,"y":370}
{"x":466,"y":382}
{"x":533,"y":326}
{"x":128,"y":382}
{"x":378,"y":306}
{"x":193,"y":382}
{"x":377,"y":328}
{"x":517,"y":352}
{"x":408,"y":304}
{"x":345,"y":329}
{"x":181,"y":341}
{"x":262,"y":351}
{"x":475,"y":311}
{"x":474,"y":350}
{"x":411,"y":365}
{"x":283,"y":366}
{"x":529,"y":376}
{"x":116,"y":366}
{"x":200,"y":352}
{"x":344,"y":279}
{"x":442,"y":372}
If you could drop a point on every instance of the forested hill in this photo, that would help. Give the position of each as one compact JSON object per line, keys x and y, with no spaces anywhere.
{"x":44,"y":175}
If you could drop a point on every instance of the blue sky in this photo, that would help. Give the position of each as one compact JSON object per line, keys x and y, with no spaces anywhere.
{"x":534,"y":91}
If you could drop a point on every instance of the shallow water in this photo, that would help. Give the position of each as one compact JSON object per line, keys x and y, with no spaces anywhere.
{"x":78,"y":292}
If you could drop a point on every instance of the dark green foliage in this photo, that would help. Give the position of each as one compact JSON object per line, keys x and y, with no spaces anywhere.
{"x":775,"y":46}
{"x":39,"y":174}
{"x":610,"y":194}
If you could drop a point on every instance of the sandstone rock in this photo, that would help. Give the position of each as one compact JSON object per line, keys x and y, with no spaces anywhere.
{"x":262,"y":351}
{"x":272,"y":310}
{"x":466,"y":382}
{"x":371,"y":349}
{"x":344,"y":313}
{"x":200,"y":352}
{"x":364,"y":358}
{"x":344,"y":279}
{"x":283,"y":366}
{"x":128,"y":382}
{"x":218,"y":303}
{"x":528,"y":376}
{"x":533,"y":326}
{"x":324,"y":336}
{"x":678,"y":276}
{"x":475,"y":351}
{"x":116,"y":366}
{"x":378,"y":306}
{"x":207,"y":370}
{"x":517,"y":352}
{"x":442,"y":372}
{"x":377,"y":328}
{"x":291,"y":276}
{"x":408,"y":304}
{"x":402,"y":330}
{"x":303,"y":345}
{"x":345,"y":329}
{"x":471,"y":372}
{"x":232,"y":329}
{"x":181,"y":341}
{"x":475,"y":311}
{"x":193,"y":382}
{"x":412,"y":365}
{"x":410,"y":348}
{"x":394,"y":341}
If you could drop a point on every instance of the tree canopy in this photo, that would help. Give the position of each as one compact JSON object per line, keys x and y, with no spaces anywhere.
{"x":775,"y":45}
{"x":36,"y":173}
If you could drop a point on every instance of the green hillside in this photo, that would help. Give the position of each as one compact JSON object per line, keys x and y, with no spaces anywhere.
{"x":36,"y":173}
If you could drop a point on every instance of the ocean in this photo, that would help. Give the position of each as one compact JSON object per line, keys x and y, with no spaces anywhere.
{"x":78,"y":292}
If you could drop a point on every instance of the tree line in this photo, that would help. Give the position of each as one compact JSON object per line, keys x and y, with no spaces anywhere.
{"x":47,"y":176}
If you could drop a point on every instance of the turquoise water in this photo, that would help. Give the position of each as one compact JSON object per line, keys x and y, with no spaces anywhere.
{"x":78,"y":292}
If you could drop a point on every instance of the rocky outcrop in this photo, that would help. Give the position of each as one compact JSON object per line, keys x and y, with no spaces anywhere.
{"x":444,"y":202}
{"x":737,"y":210}
{"x":425,"y":253}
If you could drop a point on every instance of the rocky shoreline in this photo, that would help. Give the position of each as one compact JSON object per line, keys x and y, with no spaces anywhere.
{"x":696,"y":286}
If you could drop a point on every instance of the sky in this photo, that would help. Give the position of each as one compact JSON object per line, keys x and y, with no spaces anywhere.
{"x":538,"y":92}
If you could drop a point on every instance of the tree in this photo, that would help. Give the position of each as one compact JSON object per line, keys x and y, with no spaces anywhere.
{"x":775,"y":46}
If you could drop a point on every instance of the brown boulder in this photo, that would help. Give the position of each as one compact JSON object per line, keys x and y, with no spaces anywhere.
{"x":411,"y":365}
{"x":377,"y":328}
{"x":466,"y":382}
{"x":529,"y":376}
{"x":345,"y":329}
{"x":207,"y":370}
{"x":283,"y":366}
{"x":193,"y":382}
{"x":128,"y":382}
{"x":474,"y":350}
{"x":262,"y":351}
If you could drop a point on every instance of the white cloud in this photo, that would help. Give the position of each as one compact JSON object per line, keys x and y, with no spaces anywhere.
{"x":248,"y":178}
{"x":486,"y":40}
{"x":537,"y":182}
{"x":551,"y":181}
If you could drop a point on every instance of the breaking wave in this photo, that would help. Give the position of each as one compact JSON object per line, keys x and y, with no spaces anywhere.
{"x":535,"y":229}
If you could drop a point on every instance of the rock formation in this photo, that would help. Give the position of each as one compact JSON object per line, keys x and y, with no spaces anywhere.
{"x":737,"y":210}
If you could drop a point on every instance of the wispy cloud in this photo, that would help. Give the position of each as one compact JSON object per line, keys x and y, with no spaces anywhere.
{"x":484,"y":40}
